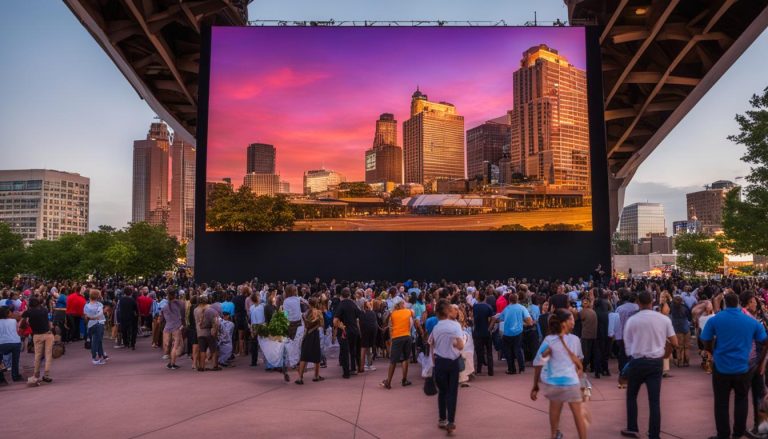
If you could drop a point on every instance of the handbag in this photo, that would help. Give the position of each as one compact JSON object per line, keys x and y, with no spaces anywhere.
{"x":584,"y":383}
{"x":430,"y":388}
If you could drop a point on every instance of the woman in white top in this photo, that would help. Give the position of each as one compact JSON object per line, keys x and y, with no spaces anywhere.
{"x":10,"y":343}
{"x":446,"y":342}
{"x":558,"y":366}
{"x":93,"y":312}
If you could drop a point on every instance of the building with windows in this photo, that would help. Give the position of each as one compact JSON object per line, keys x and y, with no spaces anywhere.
{"x":262,"y":184}
{"x":181,"y":216}
{"x":549,"y":121}
{"x":485,"y":145}
{"x":384,"y":160}
{"x":150,"y":176}
{"x":320,"y":180}
{"x":433,"y":142}
{"x":261,"y":158}
{"x":642,"y":220}
{"x":43,"y":203}
{"x":706,"y":206}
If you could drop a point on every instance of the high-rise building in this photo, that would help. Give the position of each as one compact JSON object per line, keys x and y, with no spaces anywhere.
{"x":261,"y":159}
{"x":384,"y":161}
{"x":642,"y":220}
{"x":433,"y":142}
{"x":706,"y":206}
{"x":181,"y":217}
{"x":486,"y":143}
{"x":320,"y":180}
{"x":262,"y":184}
{"x":44,"y":204}
{"x":550,"y":127}
{"x":284,"y":187}
{"x":150,"y":176}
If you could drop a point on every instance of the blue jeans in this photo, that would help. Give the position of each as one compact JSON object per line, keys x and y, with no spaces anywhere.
{"x":96,"y":332}
{"x":446,"y":375}
{"x":15,"y":350}
{"x":513,"y":350}
{"x":637,"y":372}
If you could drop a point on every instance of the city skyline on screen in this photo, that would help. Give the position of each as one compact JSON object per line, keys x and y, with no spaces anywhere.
{"x":315,"y":93}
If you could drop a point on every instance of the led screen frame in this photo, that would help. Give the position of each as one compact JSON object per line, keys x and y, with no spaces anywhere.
{"x":397,"y":254}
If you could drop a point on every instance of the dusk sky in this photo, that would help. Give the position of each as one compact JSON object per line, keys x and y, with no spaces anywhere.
{"x":315,"y":93}
{"x":66,"y":106}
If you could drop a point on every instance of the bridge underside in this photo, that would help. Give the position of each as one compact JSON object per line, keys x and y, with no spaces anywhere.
{"x":659,"y":58}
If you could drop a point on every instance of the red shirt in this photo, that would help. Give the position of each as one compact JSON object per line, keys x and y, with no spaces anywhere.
{"x":501,"y":303}
{"x":75,"y":304}
{"x":145,"y":305}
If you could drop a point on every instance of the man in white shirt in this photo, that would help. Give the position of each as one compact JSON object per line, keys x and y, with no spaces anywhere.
{"x":648,"y":338}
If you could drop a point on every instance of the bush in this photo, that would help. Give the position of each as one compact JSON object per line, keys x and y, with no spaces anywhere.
{"x":278,"y":326}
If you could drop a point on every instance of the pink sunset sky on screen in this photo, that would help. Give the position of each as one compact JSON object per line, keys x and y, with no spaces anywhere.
{"x":316,"y":92}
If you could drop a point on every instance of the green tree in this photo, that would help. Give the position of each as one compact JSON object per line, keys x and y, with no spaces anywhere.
{"x":746,"y":221}
{"x":512,"y":228}
{"x":356,"y":189}
{"x":92,"y":246}
{"x":59,"y":259}
{"x":622,"y":246}
{"x":154,"y":251}
{"x":119,"y":256}
{"x":697,"y":252}
{"x":11,"y":253}
{"x":242,"y":211}
{"x":397,"y":193}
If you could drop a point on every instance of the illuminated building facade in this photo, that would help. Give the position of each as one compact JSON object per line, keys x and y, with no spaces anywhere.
{"x":150,"y":176}
{"x":384,"y":161}
{"x":262,"y":184}
{"x":320,"y":180}
{"x":261,"y":159}
{"x":706,"y":206}
{"x":181,"y":217}
{"x":642,"y":220}
{"x":486,"y":143}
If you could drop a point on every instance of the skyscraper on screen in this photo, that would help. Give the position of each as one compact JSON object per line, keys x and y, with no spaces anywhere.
{"x":550,"y":127}
{"x":261,"y":158}
{"x":384,"y":161}
{"x":486,"y":143}
{"x":433,"y":141}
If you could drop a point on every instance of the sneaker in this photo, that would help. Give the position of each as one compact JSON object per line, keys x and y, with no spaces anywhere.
{"x":630,"y":433}
{"x":371,"y":368}
{"x":47,"y":379}
{"x":169,"y":366}
{"x":442,"y":423}
{"x":102,"y":362}
{"x":96,"y":362}
{"x":174,"y":367}
{"x":119,"y":346}
{"x":105,"y":358}
{"x":166,"y":356}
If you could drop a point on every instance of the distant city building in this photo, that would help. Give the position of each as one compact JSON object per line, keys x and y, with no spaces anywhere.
{"x":486,"y":143}
{"x":686,"y":226}
{"x":261,"y":159}
{"x":262,"y":184}
{"x":433,"y":142}
{"x":549,"y":123}
{"x":384,"y":161}
{"x":150,"y":176}
{"x":320,"y":180}
{"x":642,"y":220}
{"x":44,"y":204}
{"x":181,"y":217}
{"x":284,"y":187}
{"x":707,"y":206}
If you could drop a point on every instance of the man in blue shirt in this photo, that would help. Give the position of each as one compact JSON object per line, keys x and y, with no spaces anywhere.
{"x":514,"y":317}
{"x":482,"y":314}
{"x":729,"y":336}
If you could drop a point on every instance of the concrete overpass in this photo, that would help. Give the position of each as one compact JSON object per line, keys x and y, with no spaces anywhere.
{"x":659,"y":58}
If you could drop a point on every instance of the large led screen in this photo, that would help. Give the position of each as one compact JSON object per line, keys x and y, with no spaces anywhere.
{"x":398,"y":129}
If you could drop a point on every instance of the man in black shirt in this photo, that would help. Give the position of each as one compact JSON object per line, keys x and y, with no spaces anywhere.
{"x":42,"y":337}
{"x":128,"y":315}
{"x":345,"y":320}
{"x":482,"y":314}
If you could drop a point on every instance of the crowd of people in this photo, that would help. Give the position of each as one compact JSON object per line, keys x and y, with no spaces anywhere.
{"x":566,"y":330}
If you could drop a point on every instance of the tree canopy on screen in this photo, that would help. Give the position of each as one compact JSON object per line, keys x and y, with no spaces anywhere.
{"x":242,"y":210}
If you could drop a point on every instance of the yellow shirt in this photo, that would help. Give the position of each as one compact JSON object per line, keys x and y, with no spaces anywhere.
{"x":401,"y":322}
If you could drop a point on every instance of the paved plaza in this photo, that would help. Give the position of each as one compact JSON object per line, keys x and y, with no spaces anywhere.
{"x":135,"y":396}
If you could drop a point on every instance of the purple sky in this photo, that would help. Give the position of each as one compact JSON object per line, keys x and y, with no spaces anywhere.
{"x":315,"y":93}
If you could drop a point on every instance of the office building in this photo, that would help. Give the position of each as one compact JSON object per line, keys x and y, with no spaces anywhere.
{"x":150,"y":176}
{"x":642,"y":220}
{"x":181,"y":216}
{"x":261,"y":159}
{"x":320,"y":180}
{"x":707,"y":206}
{"x":486,"y":143}
{"x":686,"y":226}
{"x":262,"y":184}
{"x":384,"y":161}
{"x":549,"y":122}
{"x":44,"y":204}
{"x":284,"y":187}
{"x":433,"y":142}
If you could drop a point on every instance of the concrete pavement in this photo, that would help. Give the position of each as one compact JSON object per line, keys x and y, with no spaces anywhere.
{"x":135,"y":396}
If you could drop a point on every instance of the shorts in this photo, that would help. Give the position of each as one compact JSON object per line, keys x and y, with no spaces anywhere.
{"x":562,"y":393}
{"x":241,"y":323}
{"x":192,"y":334}
{"x":401,"y":349}
{"x":368,"y":338}
{"x":207,"y":342}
